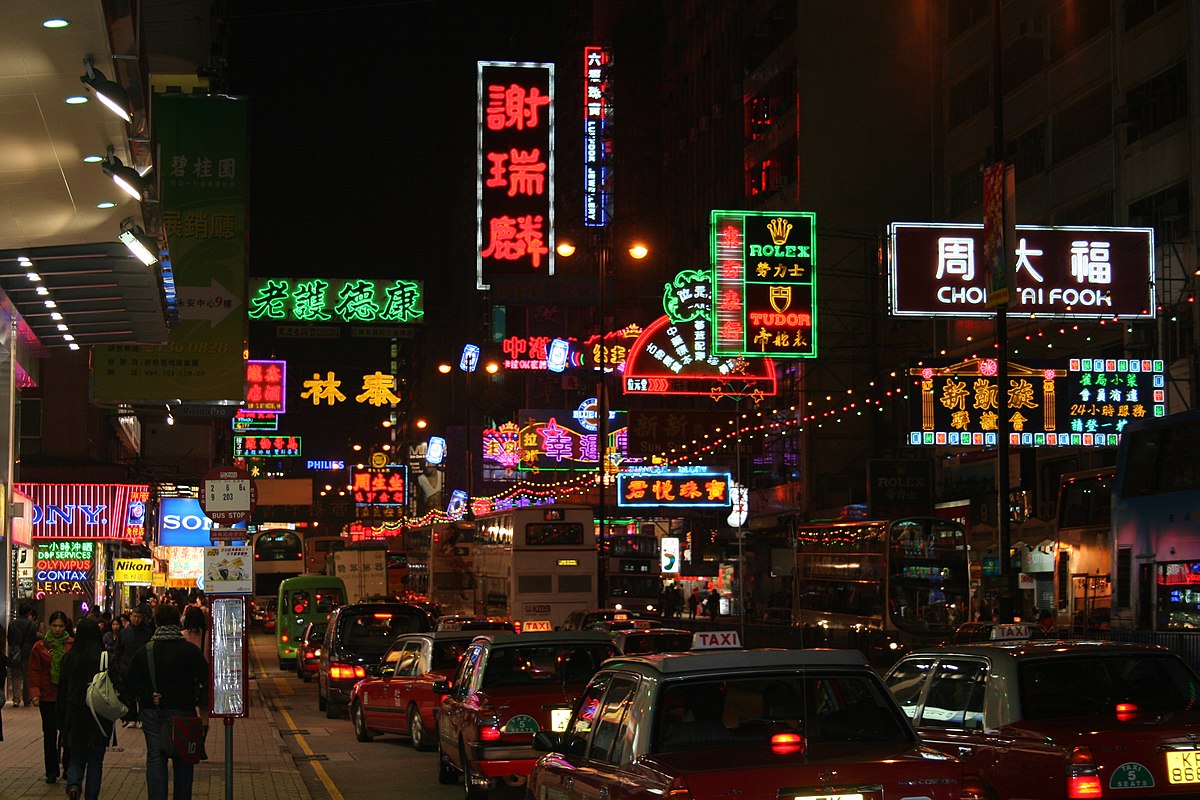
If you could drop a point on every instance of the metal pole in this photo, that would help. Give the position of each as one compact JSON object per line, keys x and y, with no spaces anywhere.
{"x":229,"y":758}
{"x":601,"y":244}
{"x":740,"y":573}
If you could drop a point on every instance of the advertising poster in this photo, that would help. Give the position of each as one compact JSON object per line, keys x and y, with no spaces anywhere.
{"x":229,"y":570}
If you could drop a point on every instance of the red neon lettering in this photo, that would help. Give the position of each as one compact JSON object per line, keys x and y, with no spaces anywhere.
{"x":792,"y":318}
{"x":513,"y":107}
{"x":512,"y":239}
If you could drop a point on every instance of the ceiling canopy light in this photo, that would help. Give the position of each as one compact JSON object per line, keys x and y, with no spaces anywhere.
{"x":127,"y":178}
{"x":110,"y":93}
{"x":141,"y":245}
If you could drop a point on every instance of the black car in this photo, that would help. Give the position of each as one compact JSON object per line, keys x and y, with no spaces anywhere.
{"x":357,"y":637}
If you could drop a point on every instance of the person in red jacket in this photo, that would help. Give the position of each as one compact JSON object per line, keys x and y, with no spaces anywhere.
{"x":45,"y":664}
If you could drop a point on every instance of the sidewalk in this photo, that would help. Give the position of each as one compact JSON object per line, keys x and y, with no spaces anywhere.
{"x":263,"y":768}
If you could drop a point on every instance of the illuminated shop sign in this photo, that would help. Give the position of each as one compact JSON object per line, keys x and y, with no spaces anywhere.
{"x":266,"y":384}
{"x":502,"y":445}
{"x":106,"y":511}
{"x":616,"y":348}
{"x":356,"y":300}
{"x":378,"y":389}
{"x":255,"y":421}
{"x":675,"y":489}
{"x":64,"y":568}
{"x":515,"y":170}
{"x":1081,"y":402}
{"x":182,"y":523}
{"x":379,"y":493}
{"x":325,"y":464}
{"x":672,"y":355}
{"x":266,"y":446}
{"x":764,"y":284}
{"x":558,"y":440}
{"x":533,"y":352}
{"x":1068,"y":272}
{"x":597,"y":137}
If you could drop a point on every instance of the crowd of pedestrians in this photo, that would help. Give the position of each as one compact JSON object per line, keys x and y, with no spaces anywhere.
{"x":50,"y":666}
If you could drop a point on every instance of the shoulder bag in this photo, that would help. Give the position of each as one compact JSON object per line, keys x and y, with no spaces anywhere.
{"x":181,"y":736}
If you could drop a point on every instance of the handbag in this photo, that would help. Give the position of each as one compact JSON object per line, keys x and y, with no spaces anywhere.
{"x":180,"y":736}
{"x":103,"y":697}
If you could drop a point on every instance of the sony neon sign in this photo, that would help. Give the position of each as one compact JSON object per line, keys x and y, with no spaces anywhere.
{"x":86,"y":510}
{"x":347,"y":300}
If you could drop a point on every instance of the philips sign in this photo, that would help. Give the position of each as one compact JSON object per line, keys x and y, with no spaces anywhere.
{"x":182,"y":523}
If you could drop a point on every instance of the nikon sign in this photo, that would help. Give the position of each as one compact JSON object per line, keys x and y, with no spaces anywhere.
{"x":131,"y":571}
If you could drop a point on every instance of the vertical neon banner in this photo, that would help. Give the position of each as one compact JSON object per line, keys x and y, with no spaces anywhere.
{"x":514,"y":170}
{"x":597,"y":137}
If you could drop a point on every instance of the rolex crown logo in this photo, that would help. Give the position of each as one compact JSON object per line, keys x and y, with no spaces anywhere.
{"x":779,"y":228}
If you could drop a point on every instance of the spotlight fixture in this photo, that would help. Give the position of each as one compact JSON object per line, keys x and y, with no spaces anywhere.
{"x":141,"y":245}
{"x":111,"y":93}
{"x":128,"y":178}
{"x":170,"y":416}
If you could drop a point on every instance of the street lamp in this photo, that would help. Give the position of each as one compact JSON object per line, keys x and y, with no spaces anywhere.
{"x":601,"y":245}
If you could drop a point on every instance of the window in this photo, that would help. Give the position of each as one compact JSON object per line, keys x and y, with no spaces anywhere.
{"x":575,"y":738}
{"x":1138,"y":11}
{"x":1081,"y":124}
{"x":1023,"y":60}
{"x":907,"y":682}
{"x":955,"y":698}
{"x":1076,"y":23}
{"x":1027,"y":151}
{"x":1071,"y":687}
{"x":446,"y":655}
{"x":1166,"y":210}
{"x":969,"y":96}
{"x":965,"y":13}
{"x":966,"y":190}
{"x":1124,"y":576}
{"x":574,"y":584}
{"x":1179,"y":595}
{"x":1095,"y":210}
{"x":610,"y":741}
{"x":535,"y":584}
{"x":539,"y":534}
{"x":1161,"y":460}
{"x":387,"y":667}
{"x":410,"y":660}
{"x":1158,"y":102}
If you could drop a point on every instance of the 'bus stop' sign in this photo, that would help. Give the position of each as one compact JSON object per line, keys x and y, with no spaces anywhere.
{"x":227,"y":495}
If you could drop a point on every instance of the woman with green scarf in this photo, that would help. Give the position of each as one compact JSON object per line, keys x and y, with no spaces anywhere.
{"x":45,"y":668}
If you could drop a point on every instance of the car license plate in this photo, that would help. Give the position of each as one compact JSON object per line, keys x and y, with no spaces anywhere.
{"x":559,"y":718}
{"x":852,"y":796}
{"x":1183,"y":766}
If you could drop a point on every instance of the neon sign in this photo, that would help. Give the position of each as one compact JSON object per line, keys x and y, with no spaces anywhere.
{"x":103,"y":511}
{"x":501,"y":445}
{"x":764,"y":283}
{"x":674,"y":489}
{"x":266,"y":446}
{"x":533,"y":352}
{"x":266,"y":383}
{"x":1060,"y":273}
{"x":65,"y":568}
{"x":348,"y":300}
{"x":559,"y":440}
{"x":245,"y":420}
{"x":378,"y":389}
{"x":597,"y":137}
{"x":380,"y":493}
{"x":515,"y":169}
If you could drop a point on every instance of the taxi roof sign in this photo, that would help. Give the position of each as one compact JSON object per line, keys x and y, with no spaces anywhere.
{"x":1010,"y":631}
{"x":716,"y":640}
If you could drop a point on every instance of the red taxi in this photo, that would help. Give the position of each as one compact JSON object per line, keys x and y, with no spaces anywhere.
{"x":398,"y":697}
{"x":507,"y":688}
{"x":308,"y":650}
{"x":1059,"y":719}
{"x":730,"y":723}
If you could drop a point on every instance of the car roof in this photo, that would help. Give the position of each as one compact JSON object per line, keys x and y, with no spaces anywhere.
{"x":438,"y":636}
{"x":669,"y":664}
{"x":380,"y":606}
{"x":632,"y":632}
{"x":1035,"y":648}
{"x":545,"y":637}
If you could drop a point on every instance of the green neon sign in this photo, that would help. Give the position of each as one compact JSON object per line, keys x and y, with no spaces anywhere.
{"x":355,"y":300}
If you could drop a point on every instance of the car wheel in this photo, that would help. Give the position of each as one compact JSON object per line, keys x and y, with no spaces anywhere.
{"x":321,"y":702}
{"x":416,"y":730}
{"x":447,"y":774}
{"x":361,"y":731}
{"x":477,"y":786}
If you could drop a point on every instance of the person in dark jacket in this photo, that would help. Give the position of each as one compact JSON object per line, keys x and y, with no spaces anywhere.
{"x":85,"y":735}
{"x":170,"y":677}
{"x":21,"y":631}
{"x":132,"y":637}
{"x":713,"y":603}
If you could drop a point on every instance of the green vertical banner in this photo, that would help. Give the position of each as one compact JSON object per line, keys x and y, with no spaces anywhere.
{"x":204,"y":179}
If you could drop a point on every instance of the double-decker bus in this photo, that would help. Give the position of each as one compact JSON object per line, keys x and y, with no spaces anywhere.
{"x":317,"y":550}
{"x":535,"y":565}
{"x":633,"y":578}
{"x":878,"y":585}
{"x":1156,"y":525}
{"x":278,"y":554}
{"x":438,"y":564}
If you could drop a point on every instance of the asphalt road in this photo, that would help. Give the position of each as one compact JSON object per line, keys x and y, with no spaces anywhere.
{"x":334,"y":764}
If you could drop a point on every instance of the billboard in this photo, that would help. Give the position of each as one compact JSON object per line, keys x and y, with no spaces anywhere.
{"x":764,"y":283}
{"x":597,"y":136}
{"x":65,"y":568}
{"x":182,"y":523}
{"x":266,"y":387}
{"x":514,"y":170}
{"x":564,"y":439}
{"x":674,"y":489}
{"x":102,"y":511}
{"x":1064,"y":273}
{"x":379,"y":492}
{"x":336,"y":300}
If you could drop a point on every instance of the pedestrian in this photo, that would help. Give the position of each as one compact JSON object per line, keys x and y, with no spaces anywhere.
{"x":132,"y":637}
{"x":694,"y":601}
{"x":677,"y":601}
{"x":179,"y":687}
{"x":85,"y":735}
{"x":110,"y":636}
{"x":45,"y":670}
{"x":195,"y":628}
{"x":1046,"y":620}
{"x":22,"y":631}
{"x":713,"y":603}
{"x":3,"y":674}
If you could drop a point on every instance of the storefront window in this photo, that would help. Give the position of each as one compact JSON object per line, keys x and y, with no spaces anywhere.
{"x":1179,"y":595}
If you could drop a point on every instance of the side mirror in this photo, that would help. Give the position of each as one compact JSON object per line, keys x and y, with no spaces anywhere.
{"x":440,"y":687}
{"x":546,"y":741}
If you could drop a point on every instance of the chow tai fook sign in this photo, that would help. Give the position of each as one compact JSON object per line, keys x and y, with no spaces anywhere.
{"x":515,"y":170}
{"x":597,"y":137}
{"x":1068,"y":272}
{"x":336,"y":300}
{"x":1081,"y":402}
{"x":266,"y":387}
{"x":764,"y":284}
{"x":674,"y":489}
{"x":673,"y":354}
{"x":65,"y":568}
{"x":101,"y":511}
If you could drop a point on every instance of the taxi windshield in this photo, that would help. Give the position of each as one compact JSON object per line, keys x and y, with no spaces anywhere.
{"x":750,"y":710}
{"x":532,"y":665}
{"x":1065,"y":687}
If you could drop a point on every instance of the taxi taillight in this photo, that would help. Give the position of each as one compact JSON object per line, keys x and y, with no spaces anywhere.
{"x":973,"y":788}
{"x":489,"y":728}
{"x":787,"y":742}
{"x":678,"y":790}
{"x":1082,"y":780}
{"x":1126,"y":711}
{"x":516,"y":626}
{"x":340,"y":672}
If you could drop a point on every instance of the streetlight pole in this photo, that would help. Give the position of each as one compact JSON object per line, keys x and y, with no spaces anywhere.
{"x":602,"y":253}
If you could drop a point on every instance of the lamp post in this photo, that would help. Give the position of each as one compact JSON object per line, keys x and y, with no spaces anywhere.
{"x":602,"y":247}
{"x":468,"y":362}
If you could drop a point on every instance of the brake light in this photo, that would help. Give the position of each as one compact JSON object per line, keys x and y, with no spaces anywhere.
{"x":489,"y":734}
{"x":283,"y":637}
{"x":678,"y":790}
{"x":1082,"y":780}
{"x":973,"y":788}
{"x":343,"y":672}
{"x":784,"y":743}
{"x":382,"y":615}
{"x":516,"y":626}
{"x":1126,"y":711}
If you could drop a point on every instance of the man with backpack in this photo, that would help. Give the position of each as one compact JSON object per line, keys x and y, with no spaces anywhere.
{"x":22,"y":635}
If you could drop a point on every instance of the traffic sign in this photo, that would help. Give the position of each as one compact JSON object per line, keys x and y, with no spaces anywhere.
{"x":227,"y":495}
